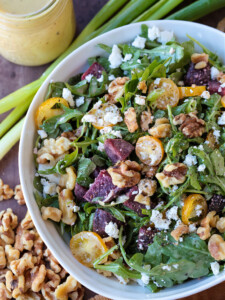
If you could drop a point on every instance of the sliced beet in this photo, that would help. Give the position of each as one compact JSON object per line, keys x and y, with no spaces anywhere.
{"x":117,"y":149}
{"x":79,"y":192}
{"x":95,"y":69}
{"x":197,"y":76}
{"x":103,"y":187}
{"x":101,"y":219}
{"x":130,"y":203}
{"x":217,"y":203}
{"x":145,"y":237}
{"x":215,"y":87}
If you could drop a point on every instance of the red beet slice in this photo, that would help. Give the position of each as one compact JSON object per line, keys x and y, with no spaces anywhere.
{"x":198,"y":76}
{"x":117,"y":149}
{"x":130,"y":203}
{"x":145,"y":237}
{"x":103,"y":187}
{"x":95,"y":69}
{"x":101,"y":219}
{"x":79,"y":192}
{"x":215,"y":87}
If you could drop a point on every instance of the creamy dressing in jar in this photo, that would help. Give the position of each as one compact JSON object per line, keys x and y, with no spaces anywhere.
{"x":35,"y":32}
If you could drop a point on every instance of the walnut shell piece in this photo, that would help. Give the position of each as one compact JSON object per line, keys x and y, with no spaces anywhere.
{"x":146,"y":119}
{"x":63,"y":290}
{"x":125,"y":173}
{"x":66,"y":204}
{"x":190,"y":125}
{"x":179,"y":231}
{"x":172,"y":174}
{"x":51,"y":213}
{"x":216,"y":246}
{"x":161,"y":129}
{"x":116,"y":89}
{"x":130,"y":119}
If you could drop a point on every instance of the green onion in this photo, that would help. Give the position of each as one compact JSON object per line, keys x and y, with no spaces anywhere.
{"x":197,"y":10}
{"x":10,"y":138}
{"x":150,"y":11}
{"x":165,"y":9}
{"x":13,"y":117}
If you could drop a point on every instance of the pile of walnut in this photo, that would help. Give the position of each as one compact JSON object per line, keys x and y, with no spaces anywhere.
{"x":28,"y":270}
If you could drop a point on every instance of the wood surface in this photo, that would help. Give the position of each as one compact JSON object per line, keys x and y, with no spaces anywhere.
{"x":13,"y":76}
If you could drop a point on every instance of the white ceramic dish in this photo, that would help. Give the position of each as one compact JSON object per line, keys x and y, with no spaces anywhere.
{"x":73,"y":64}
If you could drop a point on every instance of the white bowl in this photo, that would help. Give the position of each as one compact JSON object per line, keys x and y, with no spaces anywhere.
{"x":75,"y":63}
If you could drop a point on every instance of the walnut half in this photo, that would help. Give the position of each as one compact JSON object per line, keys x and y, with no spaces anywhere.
{"x":172,"y":174}
{"x":190,"y":125}
{"x":125,"y":173}
{"x":216,"y":246}
{"x":130,"y":120}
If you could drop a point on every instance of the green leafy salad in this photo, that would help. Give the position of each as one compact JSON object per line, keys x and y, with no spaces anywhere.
{"x":130,"y":161}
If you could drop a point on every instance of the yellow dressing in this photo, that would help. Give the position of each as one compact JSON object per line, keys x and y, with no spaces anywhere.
{"x":35,"y":32}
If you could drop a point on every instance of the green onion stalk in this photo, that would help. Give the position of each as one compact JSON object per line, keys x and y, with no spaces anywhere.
{"x":114,"y":14}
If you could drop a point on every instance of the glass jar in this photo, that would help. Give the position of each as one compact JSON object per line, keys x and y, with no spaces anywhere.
{"x":40,"y":34}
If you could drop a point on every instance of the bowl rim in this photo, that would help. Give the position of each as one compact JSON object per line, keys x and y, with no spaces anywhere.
{"x":22,"y":147}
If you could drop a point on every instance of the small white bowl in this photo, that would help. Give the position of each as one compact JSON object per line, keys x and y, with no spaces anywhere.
{"x":75,"y":63}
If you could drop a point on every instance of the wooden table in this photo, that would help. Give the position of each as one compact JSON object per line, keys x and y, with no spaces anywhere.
{"x":12,"y":77}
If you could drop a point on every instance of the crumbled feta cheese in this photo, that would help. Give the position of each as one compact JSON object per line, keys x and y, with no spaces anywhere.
{"x":112,"y":230}
{"x":206,"y":142}
{"x":175,"y":266}
{"x":138,"y":61}
{"x":42,"y":134}
{"x":192,"y":228}
{"x":100,"y":79}
{"x":205,"y":95}
{"x":153,"y":33}
{"x":140,"y":100}
{"x":168,"y":268}
{"x":145,"y":278}
{"x":66,"y":94}
{"x":109,"y":129}
{"x":200,"y":147}
{"x":101,"y":146}
{"x":174,"y":188}
{"x":76,"y":208}
{"x":112,"y":115}
{"x":215,"y":267}
{"x":216,"y":134}
{"x":97,"y":104}
{"x":190,"y":160}
{"x":79,"y":101}
{"x":89,"y":118}
{"x":157,"y":81}
{"x":178,"y":223}
{"x":111,"y":77}
{"x":139,"y":42}
{"x":171,"y":214}
{"x":181,"y":239}
{"x":55,"y":178}
{"x":201,"y":168}
{"x":220,"y":89}
{"x":214,"y":73}
{"x":221,"y":119}
{"x":165,"y":36}
{"x":48,"y":187}
{"x":88,"y":77}
{"x":121,"y":279}
{"x":127,"y":57}
{"x":172,"y":50}
{"x":181,"y":83}
{"x":115,"y":58}
{"x":157,"y":219}
{"x":198,"y":210}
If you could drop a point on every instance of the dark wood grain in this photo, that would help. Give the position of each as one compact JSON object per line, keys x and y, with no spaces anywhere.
{"x":13,"y":76}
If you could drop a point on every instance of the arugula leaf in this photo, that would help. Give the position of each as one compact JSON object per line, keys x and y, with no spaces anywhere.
{"x":85,"y":168}
{"x":79,"y":89}
{"x":192,"y":173}
{"x":98,"y":88}
{"x":55,"y":90}
{"x":218,"y":162}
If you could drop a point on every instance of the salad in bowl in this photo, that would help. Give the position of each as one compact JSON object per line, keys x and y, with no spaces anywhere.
{"x":130,"y":161}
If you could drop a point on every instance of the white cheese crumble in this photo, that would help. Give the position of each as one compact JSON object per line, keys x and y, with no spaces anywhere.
{"x":153,"y":33}
{"x":109,"y":129}
{"x":111,"y":77}
{"x":157,"y":219}
{"x":140,"y":100}
{"x":88,"y":77}
{"x":205,"y":95}
{"x":181,"y":83}
{"x":76,"y":208}
{"x":190,"y":160}
{"x":174,"y":188}
{"x":42,"y":134}
{"x":66,"y":94}
{"x":48,"y":187}
{"x":112,"y":230}
{"x":165,"y":36}
{"x":127,"y":57}
{"x":214,"y":73}
{"x":115,"y":58}
{"x":216,"y":134}
{"x":198,"y":210}
{"x":192,"y":228}
{"x":157,"y":80}
{"x":221,"y":119}
{"x":100,"y":79}
{"x":121,"y":279}
{"x":101,"y":146}
{"x":201,"y":168}
{"x":172,"y":50}
{"x":171,"y":214}
{"x":145,"y":278}
{"x":139,"y":42}
{"x":79,"y":101}
{"x":89,"y":118}
{"x":215,"y":267}
{"x":168,"y":268}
